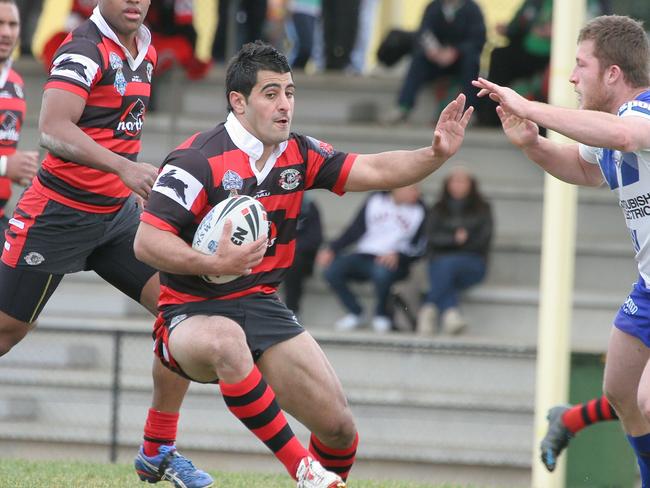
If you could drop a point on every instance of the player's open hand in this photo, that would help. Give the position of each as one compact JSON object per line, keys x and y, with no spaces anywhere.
{"x":22,"y":166}
{"x":520,"y":132}
{"x":450,"y":129}
{"x":232,"y":259}
{"x":507,"y":98}
{"x":139,"y":177}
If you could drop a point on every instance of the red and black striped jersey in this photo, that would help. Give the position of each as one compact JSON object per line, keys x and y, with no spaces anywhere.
{"x":192,"y":180}
{"x":12,"y":114}
{"x":93,"y":64}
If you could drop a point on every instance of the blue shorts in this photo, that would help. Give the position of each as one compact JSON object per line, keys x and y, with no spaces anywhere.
{"x":634,"y":315}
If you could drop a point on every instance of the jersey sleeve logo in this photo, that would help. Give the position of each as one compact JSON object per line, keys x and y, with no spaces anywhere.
{"x":75,"y":67}
{"x":179,"y":185}
{"x":323,"y":148}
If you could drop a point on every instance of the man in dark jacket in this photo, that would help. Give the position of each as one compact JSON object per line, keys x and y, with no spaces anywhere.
{"x":450,"y":41}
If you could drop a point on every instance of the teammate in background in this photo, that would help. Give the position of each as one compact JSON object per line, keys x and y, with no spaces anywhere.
{"x":240,"y":333}
{"x":81,"y":213}
{"x":612,"y":127}
{"x":15,"y":166}
{"x":565,"y":421}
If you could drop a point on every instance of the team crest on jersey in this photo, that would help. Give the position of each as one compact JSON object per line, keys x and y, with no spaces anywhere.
{"x":149,"y":71}
{"x":232,"y":182}
{"x":19,"y":91}
{"x":290,"y":179}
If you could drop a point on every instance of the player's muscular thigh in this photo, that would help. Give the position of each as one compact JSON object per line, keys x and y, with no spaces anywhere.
{"x":307,"y":387}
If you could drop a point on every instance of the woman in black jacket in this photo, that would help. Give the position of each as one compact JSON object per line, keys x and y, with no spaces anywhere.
{"x":459,"y":231}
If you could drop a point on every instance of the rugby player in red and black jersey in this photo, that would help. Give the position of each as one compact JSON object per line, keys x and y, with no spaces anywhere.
{"x":15,"y":166}
{"x":81,"y":211}
{"x":240,"y":333}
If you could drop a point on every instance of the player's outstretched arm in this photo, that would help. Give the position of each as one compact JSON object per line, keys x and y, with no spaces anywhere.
{"x":394,"y":169}
{"x":590,"y":127}
{"x":60,"y":112}
{"x":561,"y":160}
{"x":167,"y":252}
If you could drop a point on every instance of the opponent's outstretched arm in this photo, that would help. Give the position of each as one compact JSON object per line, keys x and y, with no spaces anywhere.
{"x":590,"y":127}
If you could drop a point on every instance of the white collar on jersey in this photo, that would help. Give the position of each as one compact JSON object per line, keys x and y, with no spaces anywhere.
{"x":4,"y":72}
{"x":142,"y":38}
{"x":252,"y":146}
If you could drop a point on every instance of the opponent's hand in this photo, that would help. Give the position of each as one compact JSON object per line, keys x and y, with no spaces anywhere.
{"x":22,"y":166}
{"x":139,"y":177}
{"x":520,"y":132}
{"x":450,"y":129}
{"x":509,"y":99}
{"x":237,"y":260}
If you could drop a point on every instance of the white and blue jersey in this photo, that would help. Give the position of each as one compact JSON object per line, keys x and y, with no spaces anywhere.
{"x":628,"y":174}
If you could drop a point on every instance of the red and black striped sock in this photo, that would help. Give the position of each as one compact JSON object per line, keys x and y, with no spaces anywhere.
{"x":580,"y":416}
{"x":338,"y":461}
{"x":160,"y":429}
{"x":253,"y":402}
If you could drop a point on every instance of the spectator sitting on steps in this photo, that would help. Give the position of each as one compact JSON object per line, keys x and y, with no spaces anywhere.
{"x":458,"y":232}
{"x":388,"y":235}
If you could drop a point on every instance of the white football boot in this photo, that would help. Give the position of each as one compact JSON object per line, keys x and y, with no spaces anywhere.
{"x":311,"y":474}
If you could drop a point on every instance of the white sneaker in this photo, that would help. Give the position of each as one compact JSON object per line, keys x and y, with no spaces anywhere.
{"x":452,"y":321}
{"x":381,"y":324}
{"x":349,"y":322}
{"x":427,"y":318}
{"x":311,"y":474}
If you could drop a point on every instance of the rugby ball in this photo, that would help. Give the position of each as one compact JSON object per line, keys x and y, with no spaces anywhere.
{"x":248,"y":218}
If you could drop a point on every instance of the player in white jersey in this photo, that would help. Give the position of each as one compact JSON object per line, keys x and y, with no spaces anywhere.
{"x":613,"y":128}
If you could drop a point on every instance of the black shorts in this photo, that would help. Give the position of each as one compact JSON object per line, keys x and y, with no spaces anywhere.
{"x":47,"y":240}
{"x":266,"y":321}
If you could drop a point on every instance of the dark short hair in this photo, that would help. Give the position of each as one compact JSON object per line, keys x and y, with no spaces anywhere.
{"x":620,"y":40}
{"x":253,"y":57}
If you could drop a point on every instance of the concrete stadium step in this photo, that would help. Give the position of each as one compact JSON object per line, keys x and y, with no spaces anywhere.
{"x":603,"y":267}
{"x":494,"y":313}
{"x":467,"y":369}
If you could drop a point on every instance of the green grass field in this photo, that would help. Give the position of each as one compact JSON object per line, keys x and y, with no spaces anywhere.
{"x":50,"y":474}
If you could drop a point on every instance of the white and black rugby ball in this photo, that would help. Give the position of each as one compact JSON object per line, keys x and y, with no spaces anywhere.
{"x":249,"y":221}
